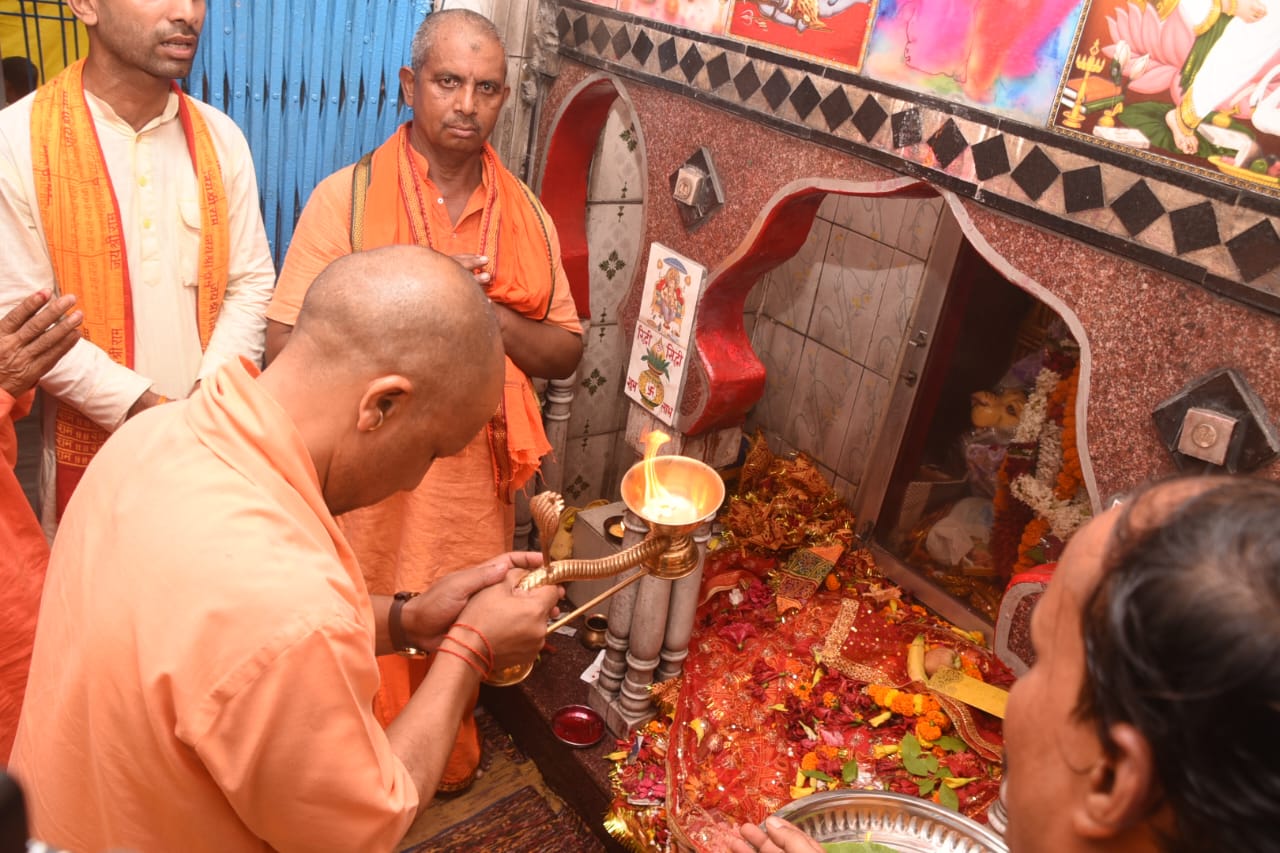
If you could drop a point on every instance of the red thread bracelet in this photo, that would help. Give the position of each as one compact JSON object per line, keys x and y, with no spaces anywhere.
{"x":486,"y":661}
{"x":468,"y":661}
{"x":479,"y":634}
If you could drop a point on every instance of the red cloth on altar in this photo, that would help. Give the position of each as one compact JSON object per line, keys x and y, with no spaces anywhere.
{"x":738,"y":761}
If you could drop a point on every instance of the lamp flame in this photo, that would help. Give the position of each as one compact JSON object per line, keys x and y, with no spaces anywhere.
{"x":660,"y":504}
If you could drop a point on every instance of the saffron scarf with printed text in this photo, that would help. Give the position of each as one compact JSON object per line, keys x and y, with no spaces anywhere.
{"x":85,"y":235}
{"x":515,"y":238}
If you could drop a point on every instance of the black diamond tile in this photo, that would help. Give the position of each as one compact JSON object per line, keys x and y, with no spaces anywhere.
{"x":621,"y":42}
{"x":990,"y":158}
{"x":747,"y":82}
{"x":805,"y":98}
{"x":1194,"y":227}
{"x":562,"y":24}
{"x":907,"y":129}
{"x":1035,"y":174}
{"x":718,"y":71}
{"x":667,"y":56}
{"x":1136,"y":208}
{"x":1082,"y":189}
{"x":835,"y":108}
{"x":948,"y":143}
{"x":642,"y":48}
{"x":1255,"y":251}
{"x":691,"y":63}
{"x":600,"y":37}
{"x":776,"y":89}
{"x":580,"y":30}
{"x":869,"y":118}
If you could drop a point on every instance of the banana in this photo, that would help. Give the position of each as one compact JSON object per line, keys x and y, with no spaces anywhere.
{"x":915,"y":659}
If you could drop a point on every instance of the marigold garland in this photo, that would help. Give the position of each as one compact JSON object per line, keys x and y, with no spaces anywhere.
{"x":1071,"y":477}
{"x":1032,"y":535}
{"x":931,"y":721}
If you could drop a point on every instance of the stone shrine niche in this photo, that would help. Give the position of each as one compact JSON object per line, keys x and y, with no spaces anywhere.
{"x":908,"y":366}
{"x":614,"y":228}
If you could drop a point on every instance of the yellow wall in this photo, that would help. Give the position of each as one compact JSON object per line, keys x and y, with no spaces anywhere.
{"x":44,"y":34}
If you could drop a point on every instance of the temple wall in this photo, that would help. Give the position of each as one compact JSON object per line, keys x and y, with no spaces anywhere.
{"x":1150,"y":332}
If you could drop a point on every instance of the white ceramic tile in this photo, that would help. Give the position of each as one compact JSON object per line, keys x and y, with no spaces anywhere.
{"x":793,"y":284}
{"x":868,"y":412}
{"x":847,"y":491}
{"x":598,"y":402}
{"x":672,"y":287}
{"x":826,"y":389}
{"x":779,"y":349}
{"x":919,"y":225}
{"x":586,"y":468}
{"x":904,"y":223}
{"x":830,"y":208}
{"x":622,"y":458}
{"x":614,"y":232}
{"x":615,"y":170}
{"x":849,"y":293}
{"x":900,"y":290}
{"x":655,"y":373}
{"x":755,"y":296}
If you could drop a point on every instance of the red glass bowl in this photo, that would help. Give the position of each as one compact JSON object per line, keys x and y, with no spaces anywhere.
{"x":578,"y":726}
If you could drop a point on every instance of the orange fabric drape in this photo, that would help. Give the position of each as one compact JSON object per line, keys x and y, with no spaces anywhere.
{"x":83,"y":230}
{"x":26,"y":555}
{"x":515,"y":238}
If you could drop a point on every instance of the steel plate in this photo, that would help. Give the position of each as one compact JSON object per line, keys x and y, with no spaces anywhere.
{"x":907,"y":824}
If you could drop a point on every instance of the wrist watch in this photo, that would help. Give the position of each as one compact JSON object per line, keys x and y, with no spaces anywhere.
{"x":395,"y":627}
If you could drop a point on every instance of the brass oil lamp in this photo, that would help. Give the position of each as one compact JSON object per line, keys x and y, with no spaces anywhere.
{"x":672,"y":494}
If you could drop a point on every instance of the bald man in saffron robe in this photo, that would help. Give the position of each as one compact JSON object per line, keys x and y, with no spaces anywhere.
{"x":204,"y":665}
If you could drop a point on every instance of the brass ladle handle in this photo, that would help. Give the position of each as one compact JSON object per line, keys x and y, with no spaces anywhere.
{"x":563,"y":571}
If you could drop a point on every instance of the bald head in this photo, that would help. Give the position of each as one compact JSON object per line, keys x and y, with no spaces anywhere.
{"x":399,"y":309}
{"x":451,"y":20}
{"x":396,"y":360}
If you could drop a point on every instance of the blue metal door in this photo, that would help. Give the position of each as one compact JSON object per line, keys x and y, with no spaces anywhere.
{"x":312,"y":83}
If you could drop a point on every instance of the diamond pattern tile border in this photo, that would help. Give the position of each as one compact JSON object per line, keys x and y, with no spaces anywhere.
{"x":1224,"y":237}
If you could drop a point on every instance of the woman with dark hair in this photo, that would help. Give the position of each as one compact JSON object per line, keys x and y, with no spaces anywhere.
{"x":1151,"y":719}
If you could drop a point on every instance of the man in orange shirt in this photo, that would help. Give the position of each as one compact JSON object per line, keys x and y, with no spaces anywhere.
{"x":436,"y":182}
{"x":32,"y":339}
{"x":204,"y":667}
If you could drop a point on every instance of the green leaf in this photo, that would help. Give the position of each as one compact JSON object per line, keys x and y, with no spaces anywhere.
{"x":818,"y":774}
{"x":943,"y":773}
{"x":910,"y":746}
{"x":850,"y":770}
{"x":951,"y":743}
{"x":930,"y":761}
{"x":916,"y":765}
{"x":948,"y":798}
{"x":927,"y":786}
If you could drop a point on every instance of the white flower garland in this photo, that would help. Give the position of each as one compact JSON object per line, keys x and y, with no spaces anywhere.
{"x":1064,"y":517}
{"x":1036,"y":490}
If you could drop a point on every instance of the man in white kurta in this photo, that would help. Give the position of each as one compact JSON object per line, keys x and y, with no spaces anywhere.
{"x":156,"y":190}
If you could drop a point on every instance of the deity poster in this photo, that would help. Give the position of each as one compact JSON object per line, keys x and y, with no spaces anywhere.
{"x":997,"y":55}
{"x":831,"y":31}
{"x":1194,"y":83}
{"x":664,"y":332}
{"x":701,"y":16}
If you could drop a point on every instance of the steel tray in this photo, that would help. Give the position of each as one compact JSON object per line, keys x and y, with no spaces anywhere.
{"x":905,"y":823}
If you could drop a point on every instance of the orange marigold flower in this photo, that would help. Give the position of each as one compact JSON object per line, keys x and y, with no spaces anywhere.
{"x":832,"y":583}
{"x":810,"y":761}
{"x":827,"y":752}
{"x":802,"y":690}
{"x":926,"y":730}
{"x":830,"y":700}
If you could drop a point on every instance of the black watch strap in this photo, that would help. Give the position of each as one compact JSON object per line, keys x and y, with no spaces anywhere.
{"x":395,"y":627}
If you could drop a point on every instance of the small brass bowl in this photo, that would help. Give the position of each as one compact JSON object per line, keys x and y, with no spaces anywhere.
{"x":594,"y":629}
